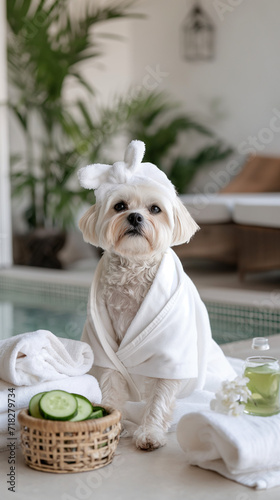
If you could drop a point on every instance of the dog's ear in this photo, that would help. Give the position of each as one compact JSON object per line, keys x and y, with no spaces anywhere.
{"x":184,"y":225}
{"x":87,"y":225}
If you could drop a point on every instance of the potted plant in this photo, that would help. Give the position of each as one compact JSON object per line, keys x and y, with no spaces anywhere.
{"x":46,"y":47}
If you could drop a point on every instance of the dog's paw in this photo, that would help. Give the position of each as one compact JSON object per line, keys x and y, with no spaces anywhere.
{"x":149,"y":438}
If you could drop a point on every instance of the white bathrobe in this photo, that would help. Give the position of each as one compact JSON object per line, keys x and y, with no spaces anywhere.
{"x":170,"y":336}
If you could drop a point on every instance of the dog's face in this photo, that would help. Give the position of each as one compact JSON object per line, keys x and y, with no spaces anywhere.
{"x":137,"y":221}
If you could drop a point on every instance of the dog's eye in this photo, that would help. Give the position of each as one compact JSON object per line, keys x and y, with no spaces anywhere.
{"x":119,"y":207}
{"x":155,"y":209}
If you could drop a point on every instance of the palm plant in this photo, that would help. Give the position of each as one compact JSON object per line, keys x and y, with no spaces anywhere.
{"x":160,"y":126}
{"x":46,"y":47}
{"x":153,"y":118}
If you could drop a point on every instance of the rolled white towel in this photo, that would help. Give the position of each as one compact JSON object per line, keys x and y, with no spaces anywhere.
{"x":33,"y":357}
{"x":245,"y":449}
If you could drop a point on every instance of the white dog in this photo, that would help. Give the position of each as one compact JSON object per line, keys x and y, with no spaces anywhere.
{"x":136,"y":218}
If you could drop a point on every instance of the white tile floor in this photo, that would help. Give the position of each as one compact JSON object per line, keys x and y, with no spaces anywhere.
{"x":133,"y":475}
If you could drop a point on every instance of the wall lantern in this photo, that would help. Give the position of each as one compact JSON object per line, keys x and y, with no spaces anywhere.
{"x":198,"y":35}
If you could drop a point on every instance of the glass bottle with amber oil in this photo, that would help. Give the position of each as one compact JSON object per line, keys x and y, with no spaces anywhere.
{"x":264,"y":381}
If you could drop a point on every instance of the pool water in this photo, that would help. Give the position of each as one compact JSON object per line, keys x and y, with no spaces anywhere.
{"x":65,"y":315}
{"x":20,"y":314}
{"x":232,"y":322}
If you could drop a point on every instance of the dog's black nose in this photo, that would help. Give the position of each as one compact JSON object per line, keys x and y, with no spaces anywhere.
{"x":135,"y":219}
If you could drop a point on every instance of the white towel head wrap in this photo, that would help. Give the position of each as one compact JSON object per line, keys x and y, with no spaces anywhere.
{"x":106,"y":178}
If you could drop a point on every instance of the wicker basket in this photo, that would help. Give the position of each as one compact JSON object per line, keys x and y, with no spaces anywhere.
{"x":61,"y":447}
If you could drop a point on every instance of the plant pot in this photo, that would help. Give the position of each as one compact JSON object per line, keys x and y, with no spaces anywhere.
{"x":39,"y":248}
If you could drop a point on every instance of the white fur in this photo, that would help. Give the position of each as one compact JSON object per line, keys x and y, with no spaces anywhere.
{"x":131,"y":263}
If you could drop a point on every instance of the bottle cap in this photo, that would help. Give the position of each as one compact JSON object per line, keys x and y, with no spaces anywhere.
{"x":260,"y":343}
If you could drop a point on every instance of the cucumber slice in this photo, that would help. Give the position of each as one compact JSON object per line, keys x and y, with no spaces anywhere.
{"x":104,"y":412}
{"x":96,"y":414}
{"x":58,"y":405}
{"x":34,"y":409}
{"x":84,"y":408}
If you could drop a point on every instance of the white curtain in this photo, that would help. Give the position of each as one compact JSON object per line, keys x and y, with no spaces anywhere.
{"x":5,"y":204}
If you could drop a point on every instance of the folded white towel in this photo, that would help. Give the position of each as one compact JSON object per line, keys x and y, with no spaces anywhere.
{"x":30,"y":358}
{"x":198,"y":400}
{"x":245,"y":449}
{"x":133,"y":411}
{"x":86,"y":385}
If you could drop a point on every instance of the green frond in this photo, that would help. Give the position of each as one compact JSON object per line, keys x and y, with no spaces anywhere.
{"x":47,"y":48}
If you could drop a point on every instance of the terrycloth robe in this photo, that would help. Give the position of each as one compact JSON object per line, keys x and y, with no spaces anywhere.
{"x":170,"y":336}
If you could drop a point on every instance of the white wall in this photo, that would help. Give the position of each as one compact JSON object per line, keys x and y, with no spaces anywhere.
{"x":237,"y":93}
{"x":243,"y":78}
{"x":244,"y":75}
{"x":111,"y":72}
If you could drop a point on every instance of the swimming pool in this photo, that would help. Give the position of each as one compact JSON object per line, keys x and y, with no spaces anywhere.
{"x":26,"y":313}
{"x":232,"y":322}
{"x":62,"y":308}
